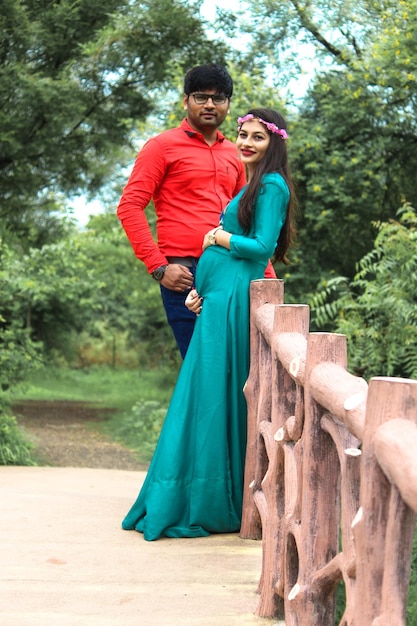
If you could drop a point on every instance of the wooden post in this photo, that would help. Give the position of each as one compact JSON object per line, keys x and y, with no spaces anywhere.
{"x":384,"y":527}
{"x":266,"y":291}
{"x":308,"y":485}
{"x":317,"y":541}
{"x":279,"y":482}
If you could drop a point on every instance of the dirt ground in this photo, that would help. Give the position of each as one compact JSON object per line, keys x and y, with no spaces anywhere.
{"x":66,"y":434}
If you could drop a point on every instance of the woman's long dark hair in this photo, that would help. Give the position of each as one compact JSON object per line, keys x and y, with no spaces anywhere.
{"x":274,"y":160}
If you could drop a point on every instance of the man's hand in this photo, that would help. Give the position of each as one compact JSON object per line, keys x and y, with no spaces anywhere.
{"x":177,"y":277}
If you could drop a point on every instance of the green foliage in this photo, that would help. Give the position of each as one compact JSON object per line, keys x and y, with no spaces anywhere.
{"x":353,"y":138}
{"x":139,"y":429}
{"x":127,"y":302}
{"x":340,"y":602}
{"x":76,"y":92}
{"x":19,"y":353}
{"x":75,"y":78}
{"x":47,"y":291}
{"x":86,"y":299}
{"x":412,"y":595}
{"x":14,"y":449}
{"x":377,"y":309}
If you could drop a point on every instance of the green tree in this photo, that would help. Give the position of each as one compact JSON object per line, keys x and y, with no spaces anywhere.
{"x":377,"y":310}
{"x":353,"y":142}
{"x":127,"y":302}
{"x":48,"y":290}
{"x":74,"y":79}
{"x":18,"y":352}
{"x":86,"y":290}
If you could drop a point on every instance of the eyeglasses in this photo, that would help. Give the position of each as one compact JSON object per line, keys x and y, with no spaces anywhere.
{"x":202,"y":98}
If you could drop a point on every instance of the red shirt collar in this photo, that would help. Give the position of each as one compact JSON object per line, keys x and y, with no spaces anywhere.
{"x":186,"y":127}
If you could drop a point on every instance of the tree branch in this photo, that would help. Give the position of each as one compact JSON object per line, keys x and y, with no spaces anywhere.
{"x":312,"y":28}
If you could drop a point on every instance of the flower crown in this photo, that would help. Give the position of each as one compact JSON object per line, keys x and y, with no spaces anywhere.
{"x":273,"y":128}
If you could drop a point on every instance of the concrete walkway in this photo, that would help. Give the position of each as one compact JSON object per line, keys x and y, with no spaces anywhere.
{"x":64,"y":560}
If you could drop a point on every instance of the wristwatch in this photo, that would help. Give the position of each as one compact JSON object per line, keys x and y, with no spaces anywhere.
{"x":158,"y":274}
{"x":212,"y":236}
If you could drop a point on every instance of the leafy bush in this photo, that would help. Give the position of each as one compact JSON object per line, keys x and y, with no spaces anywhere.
{"x":19,"y":355}
{"x":377,"y":310}
{"x":139,"y":429}
{"x":14,"y":449}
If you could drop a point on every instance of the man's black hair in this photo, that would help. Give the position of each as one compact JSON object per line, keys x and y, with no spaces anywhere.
{"x":209,"y":76}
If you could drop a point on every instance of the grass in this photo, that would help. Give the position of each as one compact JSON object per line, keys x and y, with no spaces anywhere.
{"x":139,"y":399}
{"x":102,"y":386}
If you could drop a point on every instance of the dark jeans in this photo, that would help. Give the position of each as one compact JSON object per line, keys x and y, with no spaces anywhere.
{"x":180,"y":318}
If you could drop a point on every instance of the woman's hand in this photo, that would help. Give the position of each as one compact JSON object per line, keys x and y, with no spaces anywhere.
{"x":194,"y":302}
{"x":206,"y":241}
{"x":217,"y":236}
{"x":210,"y":237}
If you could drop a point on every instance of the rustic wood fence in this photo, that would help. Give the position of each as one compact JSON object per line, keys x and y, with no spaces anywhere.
{"x":331,"y":473}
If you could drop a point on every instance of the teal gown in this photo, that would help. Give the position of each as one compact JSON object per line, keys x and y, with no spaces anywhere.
{"x":194,"y":485}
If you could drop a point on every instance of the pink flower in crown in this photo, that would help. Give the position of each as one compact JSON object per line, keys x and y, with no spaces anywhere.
{"x":273,"y":128}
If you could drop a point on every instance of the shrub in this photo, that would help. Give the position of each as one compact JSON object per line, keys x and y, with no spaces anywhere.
{"x":140,"y":428}
{"x":377,"y":310}
{"x":14,"y":449}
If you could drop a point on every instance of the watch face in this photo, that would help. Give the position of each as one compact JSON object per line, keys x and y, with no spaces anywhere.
{"x":158,"y":274}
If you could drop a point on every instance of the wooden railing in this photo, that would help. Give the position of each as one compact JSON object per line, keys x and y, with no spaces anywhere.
{"x":331,"y":473}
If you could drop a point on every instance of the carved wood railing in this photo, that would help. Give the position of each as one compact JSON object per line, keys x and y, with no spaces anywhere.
{"x":331,"y":473}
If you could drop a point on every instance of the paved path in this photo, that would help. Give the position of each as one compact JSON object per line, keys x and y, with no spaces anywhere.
{"x":64,"y":560}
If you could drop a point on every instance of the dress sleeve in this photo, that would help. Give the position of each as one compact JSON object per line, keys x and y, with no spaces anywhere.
{"x":270,"y":213}
{"x":147,"y":174}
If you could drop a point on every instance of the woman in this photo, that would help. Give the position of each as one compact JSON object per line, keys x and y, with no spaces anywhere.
{"x":194,"y":485}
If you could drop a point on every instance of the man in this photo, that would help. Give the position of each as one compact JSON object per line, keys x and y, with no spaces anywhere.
{"x":190,"y":172}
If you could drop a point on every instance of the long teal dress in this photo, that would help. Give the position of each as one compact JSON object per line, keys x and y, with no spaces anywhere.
{"x":194,"y":485}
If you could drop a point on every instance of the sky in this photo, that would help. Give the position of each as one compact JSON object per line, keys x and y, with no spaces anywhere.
{"x":208,"y":8}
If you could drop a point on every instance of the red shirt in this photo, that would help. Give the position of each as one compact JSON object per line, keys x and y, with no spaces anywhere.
{"x":190,"y":183}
